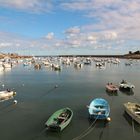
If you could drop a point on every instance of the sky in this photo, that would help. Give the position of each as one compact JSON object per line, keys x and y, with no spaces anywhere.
{"x":69,"y":27}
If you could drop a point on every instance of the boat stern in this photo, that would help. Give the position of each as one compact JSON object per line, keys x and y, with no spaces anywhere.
{"x":54,"y":128}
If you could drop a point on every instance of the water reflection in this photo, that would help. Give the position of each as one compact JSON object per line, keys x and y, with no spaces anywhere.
{"x":112,"y":93}
{"x":127,"y":92}
{"x":129,"y":120}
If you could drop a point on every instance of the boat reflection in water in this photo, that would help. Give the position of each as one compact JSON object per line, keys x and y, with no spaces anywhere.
{"x":131,"y":122}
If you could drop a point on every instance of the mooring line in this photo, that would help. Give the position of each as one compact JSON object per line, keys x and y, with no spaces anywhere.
{"x":49,"y":91}
{"x":133,"y":127}
{"x":102,"y":131}
{"x":87,"y":131}
{"x":39,"y":134}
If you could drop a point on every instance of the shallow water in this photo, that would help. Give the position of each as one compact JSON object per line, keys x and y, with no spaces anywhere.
{"x":38,"y":98}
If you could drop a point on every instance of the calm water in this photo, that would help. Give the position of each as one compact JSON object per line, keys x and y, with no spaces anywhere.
{"x":38,"y":99}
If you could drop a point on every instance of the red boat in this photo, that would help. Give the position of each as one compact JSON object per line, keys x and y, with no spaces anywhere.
{"x":111,"y":88}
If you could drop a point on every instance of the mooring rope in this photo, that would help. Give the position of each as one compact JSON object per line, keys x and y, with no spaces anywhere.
{"x":133,"y":127}
{"x":87,"y":131}
{"x":39,"y":134}
{"x":49,"y":91}
{"x":102,"y":131}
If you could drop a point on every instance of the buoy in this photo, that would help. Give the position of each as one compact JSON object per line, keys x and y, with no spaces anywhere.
{"x":15,"y":101}
{"x":56,"y":86}
{"x":3,"y":85}
{"x":109,"y":119}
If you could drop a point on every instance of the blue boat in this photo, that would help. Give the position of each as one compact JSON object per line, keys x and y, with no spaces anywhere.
{"x":99,"y":109}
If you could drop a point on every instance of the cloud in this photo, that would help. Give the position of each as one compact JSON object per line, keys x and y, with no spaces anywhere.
{"x":121,"y":16}
{"x":50,"y":36}
{"x":33,"y":6}
{"x":72,"y":31}
{"x":5,"y":44}
{"x":113,"y":25}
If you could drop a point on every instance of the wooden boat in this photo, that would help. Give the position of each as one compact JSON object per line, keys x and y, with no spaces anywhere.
{"x":111,"y":88}
{"x":124,"y":85}
{"x":133,"y":109}
{"x":59,"y":120}
{"x":6,"y":95}
{"x":99,"y":109}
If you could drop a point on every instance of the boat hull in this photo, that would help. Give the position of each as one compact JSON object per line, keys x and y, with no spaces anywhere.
{"x":99,"y":109}
{"x":131,"y":112}
{"x":57,"y":123}
{"x":112,"y":88}
{"x":6,"y":95}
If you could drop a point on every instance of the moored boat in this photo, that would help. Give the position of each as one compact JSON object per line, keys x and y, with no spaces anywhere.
{"x":111,"y":87}
{"x":124,"y":85}
{"x":59,"y":120}
{"x":99,"y":109}
{"x":6,"y":95}
{"x":133,"y":110}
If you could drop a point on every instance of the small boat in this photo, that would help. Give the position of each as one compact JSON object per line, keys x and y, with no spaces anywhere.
{"x":7,"y":65}
{"x":87,"y":63}
{"x":124,"y":85}
{"x":111,"y":87}
{"x":37,"y":66}
{"x":98,"y":64}
{"x":99,"y":109}
{"x":78,"y":65}
{"x":56,"y":67}
{"x":133,"y":110}
{"x":6,"y":95}
{"x":59,"y":120}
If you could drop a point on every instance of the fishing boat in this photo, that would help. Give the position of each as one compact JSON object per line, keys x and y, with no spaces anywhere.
{"x":124,"y":85}
{"x":99,"y":109}
{"x":59,"y":120}
{"x":6,"y":95}
{"x":133,"y":110}
{"x":111,"y":88}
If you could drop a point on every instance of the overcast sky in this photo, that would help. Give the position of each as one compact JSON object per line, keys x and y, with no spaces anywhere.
{"x":52,"y":27}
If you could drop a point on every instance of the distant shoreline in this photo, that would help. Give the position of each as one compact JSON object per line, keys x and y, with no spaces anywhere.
{"x":100,"y":56}
{"x":13,"y":55}
{"x":126,"y":56}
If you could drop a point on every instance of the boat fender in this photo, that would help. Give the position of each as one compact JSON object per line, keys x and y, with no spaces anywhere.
{"x":15,"y":101}
{"x":108,"y":119}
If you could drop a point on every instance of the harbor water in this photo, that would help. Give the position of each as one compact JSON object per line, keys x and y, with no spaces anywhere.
{"x":42,"y":92}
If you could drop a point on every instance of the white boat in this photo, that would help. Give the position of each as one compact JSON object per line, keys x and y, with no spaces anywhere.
{"x":6,"y":95}
{"x":78,"y":65}
{"x":46,"y":63}
{"x":1,"y":68}
{"x":133,"y":109}
{"x":7,"y":65}
{"x":56,"y":67}
{"x":124,"y":85}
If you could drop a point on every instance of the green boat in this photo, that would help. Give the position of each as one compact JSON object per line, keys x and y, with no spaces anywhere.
{"x":59,"y":120}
